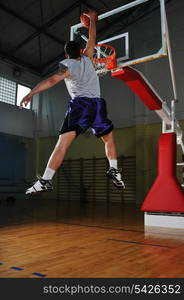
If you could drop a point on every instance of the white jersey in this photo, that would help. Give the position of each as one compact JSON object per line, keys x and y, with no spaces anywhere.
{"x":83,"y":80}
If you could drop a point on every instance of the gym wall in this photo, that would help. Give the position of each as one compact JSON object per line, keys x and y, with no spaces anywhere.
{"x":137,"y":129}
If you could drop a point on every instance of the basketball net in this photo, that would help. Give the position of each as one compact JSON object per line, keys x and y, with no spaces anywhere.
{"x":104,"y":59}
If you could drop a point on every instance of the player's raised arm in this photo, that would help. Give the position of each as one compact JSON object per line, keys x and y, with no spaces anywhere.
{"x":89,"y":50}
{"x":46,"y":84}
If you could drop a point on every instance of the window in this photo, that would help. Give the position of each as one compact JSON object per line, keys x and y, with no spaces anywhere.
{"x":12,"y":92}
{"x":8,"y":90}
{"x":21,"y":92}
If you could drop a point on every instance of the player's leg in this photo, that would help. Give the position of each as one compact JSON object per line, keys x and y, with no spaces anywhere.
{"x":110,"y":150}
{"x":44,"y":183}
{"x":60,"y":149}
{"x":110,"y":147}
{"x":102,"y":127}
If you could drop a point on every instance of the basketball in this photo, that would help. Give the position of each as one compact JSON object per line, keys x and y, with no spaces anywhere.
{"x":85,"y":20}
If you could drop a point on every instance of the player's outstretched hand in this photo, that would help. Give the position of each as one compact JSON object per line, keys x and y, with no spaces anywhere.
{"x":26,"y":100}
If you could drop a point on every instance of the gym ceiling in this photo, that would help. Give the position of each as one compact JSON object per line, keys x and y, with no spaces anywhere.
{"x":33,"y":32}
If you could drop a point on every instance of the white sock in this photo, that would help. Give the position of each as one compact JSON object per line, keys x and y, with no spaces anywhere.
{"x":48,"y":174}
{"x":113,"y":163}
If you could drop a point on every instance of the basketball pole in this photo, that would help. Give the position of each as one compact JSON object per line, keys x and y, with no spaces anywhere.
{"x":175,"y":123}
{"x":172,"y":71}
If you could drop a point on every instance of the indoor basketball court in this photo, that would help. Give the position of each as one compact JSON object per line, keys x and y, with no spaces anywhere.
{"x":87,"y":227}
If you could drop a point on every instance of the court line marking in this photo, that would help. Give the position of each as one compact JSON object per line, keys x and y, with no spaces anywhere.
{"x":84,"y":225}
{"x":17,"y":268}
{"x":116,"y":228}
{"x":101,"y":227}
{"x":39,"y":274}
{"x":21,"y":269}
{"x":73,"y":224}
{"x":139,"y":243}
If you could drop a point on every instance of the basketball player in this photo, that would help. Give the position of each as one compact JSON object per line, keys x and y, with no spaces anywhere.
{"x":85,"y":109}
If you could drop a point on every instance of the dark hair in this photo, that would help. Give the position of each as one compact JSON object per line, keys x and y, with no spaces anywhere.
{"x":72,"y":49}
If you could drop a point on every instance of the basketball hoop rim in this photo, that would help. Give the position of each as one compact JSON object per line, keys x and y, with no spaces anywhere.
{"x":109,"y":60}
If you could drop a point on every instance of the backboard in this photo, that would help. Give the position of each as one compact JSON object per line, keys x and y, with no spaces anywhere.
{"x":136,"y":30}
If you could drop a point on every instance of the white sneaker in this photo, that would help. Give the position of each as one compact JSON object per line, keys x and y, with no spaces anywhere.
{"x":115,"y":175}
{"x":41,"y":185}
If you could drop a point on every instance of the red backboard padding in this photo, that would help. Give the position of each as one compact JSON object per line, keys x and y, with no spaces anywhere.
{"x":166,"y":194}
{"x":139,"y":86}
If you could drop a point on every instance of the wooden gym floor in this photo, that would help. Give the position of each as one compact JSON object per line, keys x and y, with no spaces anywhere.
{"x":42,"y":238}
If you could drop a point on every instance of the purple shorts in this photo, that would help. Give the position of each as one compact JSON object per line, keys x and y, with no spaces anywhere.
{"x":84,"y":113}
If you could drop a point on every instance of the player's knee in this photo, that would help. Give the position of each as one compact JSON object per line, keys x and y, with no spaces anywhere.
{"x":107,"y":137}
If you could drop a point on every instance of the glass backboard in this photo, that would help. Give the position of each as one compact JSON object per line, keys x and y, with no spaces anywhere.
{"x":137,"y":30}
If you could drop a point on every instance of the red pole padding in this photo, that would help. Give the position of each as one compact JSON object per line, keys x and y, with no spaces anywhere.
{"x":166,"y":194}
{"x":139,"y":86}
